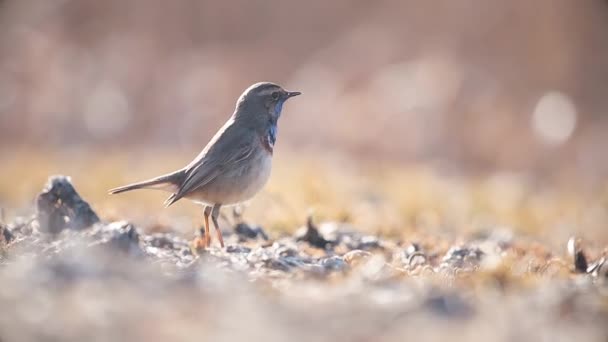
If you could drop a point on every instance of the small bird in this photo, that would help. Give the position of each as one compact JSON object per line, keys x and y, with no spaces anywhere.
{"x":235,"y":164}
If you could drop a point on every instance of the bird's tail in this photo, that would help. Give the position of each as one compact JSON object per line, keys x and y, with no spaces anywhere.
{"x":167,"y":182}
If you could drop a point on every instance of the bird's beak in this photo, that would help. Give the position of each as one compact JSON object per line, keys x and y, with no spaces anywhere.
{"x":293,"y":93}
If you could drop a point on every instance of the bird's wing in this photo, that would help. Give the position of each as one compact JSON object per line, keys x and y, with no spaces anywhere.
{"x":229,"y":146}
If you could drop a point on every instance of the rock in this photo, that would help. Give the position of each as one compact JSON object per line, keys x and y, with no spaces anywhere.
{"x":237,"y":249}
{"x":462,"y":257}
{"x":288,"y":254}
{"x":356,"y":257}
{"x":259,"y":255}
{"x":602,"y":270}
{"x":417,"y":259}
{"x":412,"y":248}
{"x":278,"y":264}
{"x":577,"y":255}
{"x":121,"y":236}
{"x":5,"y":234}
{"x":281,"y":250}
{"x":337,"y":233}
{"x":368,"y":242}
{"x":376,"y":269}
{"x":343,"y":234}
{"x":5,"y":238}
{"x":334,"y":264}
{"x":60,"y":207}
{"x":161,"y":240}
{"x":599,"y":269}
{"x":246,"y":232}
{"x":127,"y":239}
{"x":413,"y":256}
{"x":21,"y":226}
{"x":311,"y":234}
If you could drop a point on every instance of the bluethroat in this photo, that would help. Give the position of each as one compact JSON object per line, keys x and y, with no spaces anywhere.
{"x":235,"y":164}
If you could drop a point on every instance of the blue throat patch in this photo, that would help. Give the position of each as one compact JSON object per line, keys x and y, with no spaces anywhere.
{"x":272,"y":134}
{"x":279,"y":107}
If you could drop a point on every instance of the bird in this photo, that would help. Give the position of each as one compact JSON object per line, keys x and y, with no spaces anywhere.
{"x":234,"y":165}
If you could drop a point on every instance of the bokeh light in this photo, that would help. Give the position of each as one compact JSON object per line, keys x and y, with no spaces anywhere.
{"x":554,"y":118}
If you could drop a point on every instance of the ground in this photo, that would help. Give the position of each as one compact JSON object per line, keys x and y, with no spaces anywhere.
{"x":329,"y":251}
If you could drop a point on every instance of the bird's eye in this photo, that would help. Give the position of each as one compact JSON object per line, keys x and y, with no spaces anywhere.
{"x":275,"y":95}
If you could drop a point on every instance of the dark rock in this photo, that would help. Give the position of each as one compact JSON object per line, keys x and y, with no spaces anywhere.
{"x":462,"y":257}
{"x":579,"y":259}
{"x":5,"y":234}
{"x":122,"y":237}
{"x":368,"y":242}
{"x":246,"y":232}
{"x":311,"y":235}
{"x":334,"y":263}
{"x":236,"y":249}
{"x":161,"y":241}
{"x":580,"y":262}
{"x":60,"y":207}
{"x":293,"y":261}
{"x":278,"y":264}
{"x":127,"y":239}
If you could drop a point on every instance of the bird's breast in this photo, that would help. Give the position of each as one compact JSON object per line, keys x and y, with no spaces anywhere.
{"x":239,"y":183}
{"x":252,"y":176}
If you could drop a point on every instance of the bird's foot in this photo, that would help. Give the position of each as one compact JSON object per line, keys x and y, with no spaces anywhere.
{"x":199,"y":245}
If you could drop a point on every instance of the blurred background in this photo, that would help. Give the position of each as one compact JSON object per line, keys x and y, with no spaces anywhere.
{"x":493,"y":83}
{"x":465,"y":87}
{"x":471,"y":133}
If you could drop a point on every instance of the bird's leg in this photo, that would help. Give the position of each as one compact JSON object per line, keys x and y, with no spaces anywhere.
{"x":204,"y":240}
{"x":207,"y":230}
{"x":214,"y":214}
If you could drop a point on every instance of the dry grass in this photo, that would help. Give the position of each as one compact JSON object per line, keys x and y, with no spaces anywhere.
{"x":393,"y":200}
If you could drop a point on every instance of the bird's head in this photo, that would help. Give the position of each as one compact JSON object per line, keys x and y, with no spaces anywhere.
{"x":263,"y":102}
